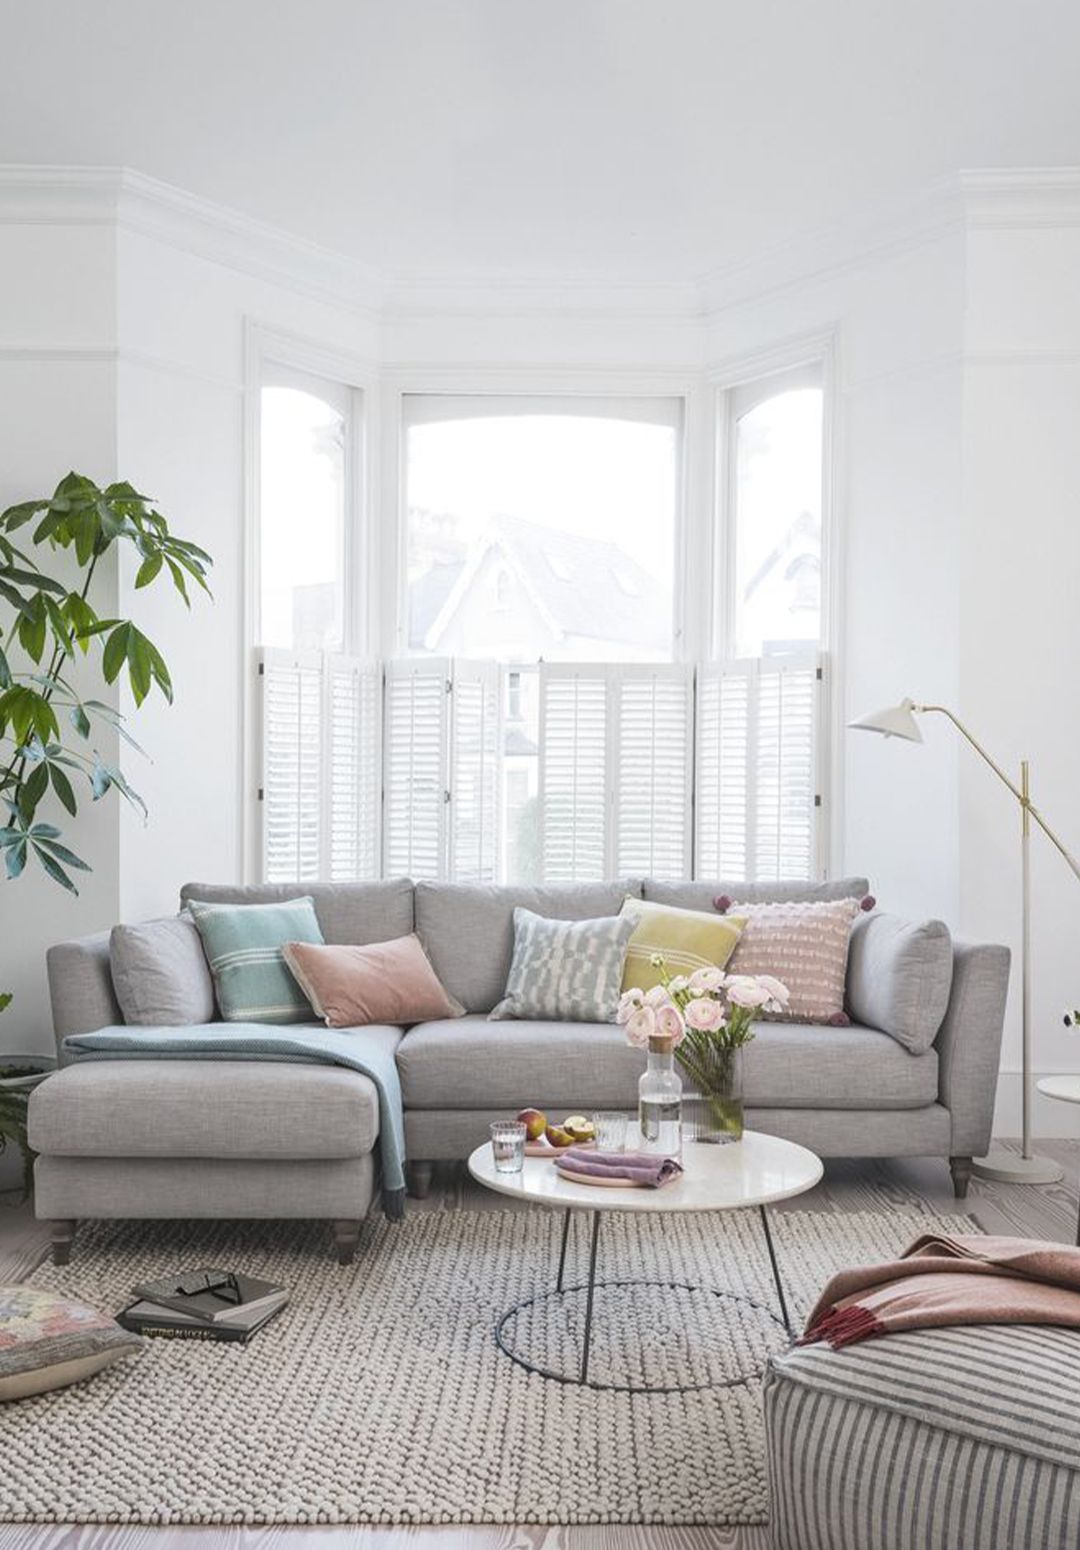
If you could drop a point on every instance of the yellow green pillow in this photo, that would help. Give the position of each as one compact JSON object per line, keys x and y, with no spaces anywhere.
{"x":688,"y":939}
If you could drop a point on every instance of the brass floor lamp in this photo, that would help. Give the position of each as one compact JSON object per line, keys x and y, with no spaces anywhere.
{"x":899,"y":721}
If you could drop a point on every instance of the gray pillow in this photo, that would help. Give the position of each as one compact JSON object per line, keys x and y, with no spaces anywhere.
{"x":899,"y":977}
{"x":566,"y":970}
{"x":160,"y":973}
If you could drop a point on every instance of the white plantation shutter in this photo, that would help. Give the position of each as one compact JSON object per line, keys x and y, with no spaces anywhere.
{"x":292,"y":765}
{"x":353,"y":768}
{"x":757,"y":768}
{"x":573,"y":772}
{"x":416,"y":774}
{"x":786,"y":768}
{"x":474,"y":772}
{"x":650,"y":783}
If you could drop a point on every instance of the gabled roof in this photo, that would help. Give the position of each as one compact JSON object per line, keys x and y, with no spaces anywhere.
{"x":584,"y":586}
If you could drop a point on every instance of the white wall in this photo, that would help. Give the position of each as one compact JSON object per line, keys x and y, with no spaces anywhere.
{"x":1019,"y":679}
{"x":57,"y":412}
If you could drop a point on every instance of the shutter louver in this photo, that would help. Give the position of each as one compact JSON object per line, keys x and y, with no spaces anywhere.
{"x":573,"y":772}
{"x":415,"y":768}
{"x":292,"y":765}
{"x":757,"y":769}
{"x":474,"y":772}
{"x":354,"y":717}
{"x":651,"y":716}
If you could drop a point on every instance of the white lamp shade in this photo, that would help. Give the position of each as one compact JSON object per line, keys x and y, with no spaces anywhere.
{"x":894,"y":721}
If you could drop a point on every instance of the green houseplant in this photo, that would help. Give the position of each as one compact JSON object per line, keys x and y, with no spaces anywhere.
{"x":48,"y":757}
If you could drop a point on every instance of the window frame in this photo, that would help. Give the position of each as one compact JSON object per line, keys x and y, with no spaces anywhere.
{"x":532,"y":384}
{"x":266,"y":349}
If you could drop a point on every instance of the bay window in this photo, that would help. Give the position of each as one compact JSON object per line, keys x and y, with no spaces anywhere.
{"x":541,"y":710}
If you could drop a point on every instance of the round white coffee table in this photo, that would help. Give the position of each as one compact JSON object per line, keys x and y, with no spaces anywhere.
{"x":1067,"y":1089}
{"x":753,"y":1172}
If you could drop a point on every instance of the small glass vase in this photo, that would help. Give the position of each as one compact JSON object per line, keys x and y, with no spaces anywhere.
{"x":716,"y":1116}
{"x":660,"y":1101}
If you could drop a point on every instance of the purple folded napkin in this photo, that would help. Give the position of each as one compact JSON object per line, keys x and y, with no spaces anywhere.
{"x":634,"y":1167}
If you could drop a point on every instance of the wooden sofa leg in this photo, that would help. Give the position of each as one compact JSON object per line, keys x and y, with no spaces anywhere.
{"x":418,"y":1177}
{"x":346,"y":1238}
{"x":960,"y":1168}
{"x":62,"y":1235}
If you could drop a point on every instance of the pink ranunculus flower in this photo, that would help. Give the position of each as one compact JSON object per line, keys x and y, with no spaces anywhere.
{"x":669,"y":1023}
{"x":742,"y":990}
{"x":707,"y":979}
{"x":657,"y":997}
{"x":705,"y":1013}
{"x":678,"y":983}
{"x":629,"y":1002}
{"x":779,"y":994}
{"x":641,"y":1025}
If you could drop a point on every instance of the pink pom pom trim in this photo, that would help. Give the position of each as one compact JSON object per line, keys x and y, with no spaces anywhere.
{"x":868,"y":903}
{"x":840,"y":1020}
{"x":722,"y":902}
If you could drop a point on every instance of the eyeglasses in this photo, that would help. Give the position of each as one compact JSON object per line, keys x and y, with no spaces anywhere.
{"x":225,"y":1287}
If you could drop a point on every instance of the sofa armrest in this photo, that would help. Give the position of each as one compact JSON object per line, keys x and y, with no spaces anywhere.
{"x":969,"y":1043}
{"x":81,"y":987}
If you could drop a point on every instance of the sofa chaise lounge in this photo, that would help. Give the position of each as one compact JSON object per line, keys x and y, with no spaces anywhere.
{"x":161,"y":1138}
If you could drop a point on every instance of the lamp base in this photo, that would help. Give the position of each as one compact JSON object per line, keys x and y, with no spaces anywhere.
{"x":1010,"y":1168}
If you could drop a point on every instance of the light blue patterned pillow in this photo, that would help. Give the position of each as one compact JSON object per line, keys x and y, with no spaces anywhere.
{"x":566,"y":970}
{"x":243,"y":945}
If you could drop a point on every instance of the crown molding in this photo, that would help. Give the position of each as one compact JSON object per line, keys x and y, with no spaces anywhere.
{"x":102,"y":196}
{"x":420,"y":298}
{"x":1021,"y":198}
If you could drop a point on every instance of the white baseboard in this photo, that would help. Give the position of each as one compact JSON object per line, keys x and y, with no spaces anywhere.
{"x":1049,"y":1116}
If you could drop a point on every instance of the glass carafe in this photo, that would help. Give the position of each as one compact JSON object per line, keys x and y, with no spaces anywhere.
{"x":660,"y":1101}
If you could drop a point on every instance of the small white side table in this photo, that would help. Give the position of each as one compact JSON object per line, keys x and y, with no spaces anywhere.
{"x":1067,"y":1089}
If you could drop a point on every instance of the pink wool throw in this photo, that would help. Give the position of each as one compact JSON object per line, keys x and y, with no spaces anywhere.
{"x":964,"y":1280}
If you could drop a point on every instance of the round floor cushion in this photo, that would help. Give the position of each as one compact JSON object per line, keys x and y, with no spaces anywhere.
{"x":48,"y":1341}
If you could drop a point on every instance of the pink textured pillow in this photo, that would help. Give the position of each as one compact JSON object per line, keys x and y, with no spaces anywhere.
{"x":806,"y":947}
{"x":385,"y":982}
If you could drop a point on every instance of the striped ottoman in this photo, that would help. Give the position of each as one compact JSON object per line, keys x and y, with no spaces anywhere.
{"x":941,"y":1439}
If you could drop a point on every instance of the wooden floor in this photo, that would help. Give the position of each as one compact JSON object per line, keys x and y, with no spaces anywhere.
{"x":1045,"y":1212}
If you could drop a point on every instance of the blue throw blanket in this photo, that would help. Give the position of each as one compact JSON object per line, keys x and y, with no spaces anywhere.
{"x":370,"y":1050}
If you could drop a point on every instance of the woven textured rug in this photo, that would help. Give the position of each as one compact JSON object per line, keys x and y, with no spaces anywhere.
{"x":379,"y":1395}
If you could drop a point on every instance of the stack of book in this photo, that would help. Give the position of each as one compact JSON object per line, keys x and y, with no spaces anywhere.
{"x":203,"y":1305}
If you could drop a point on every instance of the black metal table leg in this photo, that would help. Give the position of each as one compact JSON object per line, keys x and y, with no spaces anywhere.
{"x":589,"y":1296}
{"x":775,"y":1270}
{"x":562,"y":1251}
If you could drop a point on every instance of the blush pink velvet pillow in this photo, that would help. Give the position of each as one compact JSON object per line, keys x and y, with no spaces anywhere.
{"x":806,"y":947}
{"x":384,"y":982}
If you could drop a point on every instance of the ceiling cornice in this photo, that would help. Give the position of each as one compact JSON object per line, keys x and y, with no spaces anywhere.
{"x":1021,"y":198}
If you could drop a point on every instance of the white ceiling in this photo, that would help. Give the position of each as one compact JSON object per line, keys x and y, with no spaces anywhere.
{"x":637,"y":140}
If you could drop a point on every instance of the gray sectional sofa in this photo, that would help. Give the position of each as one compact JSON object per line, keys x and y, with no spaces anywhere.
{"x":180,"y":1138}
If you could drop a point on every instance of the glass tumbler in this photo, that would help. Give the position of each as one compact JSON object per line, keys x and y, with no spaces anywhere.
{"x":610,"y":1132}
{"x":508,"y":1145}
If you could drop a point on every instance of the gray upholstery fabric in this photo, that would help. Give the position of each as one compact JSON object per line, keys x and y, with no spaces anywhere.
{"x":81,"y":987}
{"x":965,"y":1438}
{"x":160,"y":973}
{"x":468,"y":930}
{"x":349,"y":913}
{"x":448,"y":1134}
{"x":85,"y":1187}
{"x":899,"y":975}
{"x":700,"y":896}
{"x":969,"y":1043}
{"x":473,"y":1063}
{"x":568,"y":969}
{"x":202,"y":1108}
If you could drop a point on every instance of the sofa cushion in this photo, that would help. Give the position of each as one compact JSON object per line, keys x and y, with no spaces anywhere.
{"x":243,"y":945}
{"x":899,"y":976}
{"x":468,"y":929}
{"x":700,"y":896}
{"x":347,"y":912}
{"x":565,"y":969}
{"x":686,"y":940}
{"x":204,"y":1108}
{"x":160,"y":973}
{"x":804,"y":944}
{"x":383,"y":982}
{"x":472,"y":1063}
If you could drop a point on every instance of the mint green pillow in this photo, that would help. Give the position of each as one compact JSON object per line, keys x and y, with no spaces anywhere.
{"x":243,"y":943}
